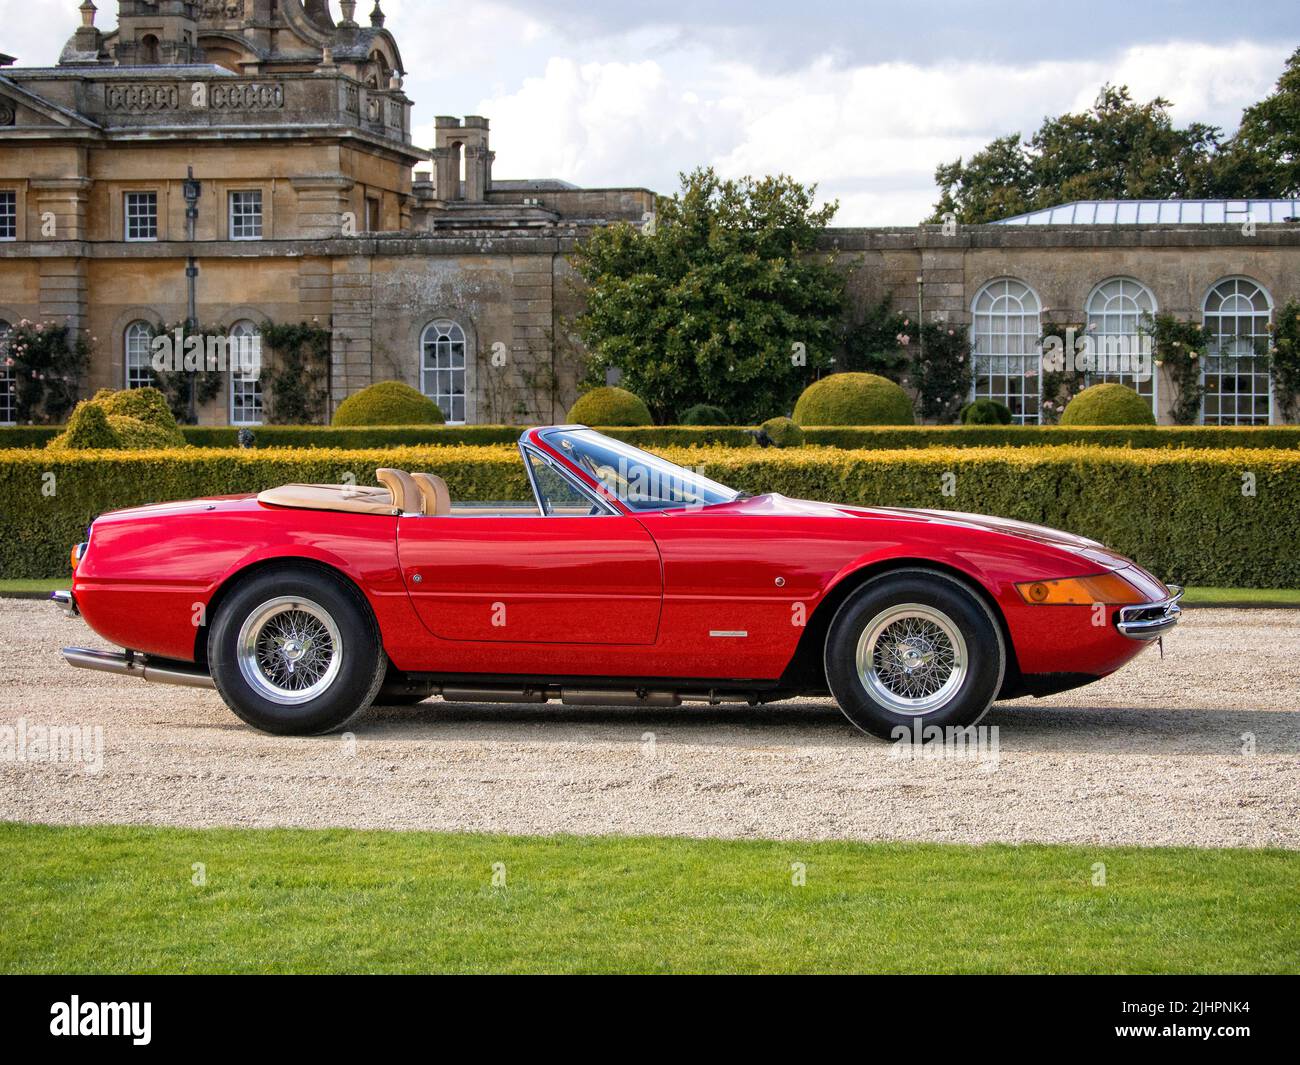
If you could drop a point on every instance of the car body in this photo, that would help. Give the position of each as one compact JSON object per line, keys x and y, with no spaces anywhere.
{"x":629,"y":581}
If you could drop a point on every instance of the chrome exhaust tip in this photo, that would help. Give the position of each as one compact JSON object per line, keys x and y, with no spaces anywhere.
{"x":130,"y":664}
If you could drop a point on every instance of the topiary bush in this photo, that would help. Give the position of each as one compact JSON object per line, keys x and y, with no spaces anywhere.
{"x":985,"y":412}
{"x":854,"y":399}
{"x":148,"y":405}
{"x":388,"y":403}
{"x":783,"y":432}
{"x":704,"y":414}
{"x":1108,"y":404}
{"x":609,"y":406}
{"x":131,"y":420}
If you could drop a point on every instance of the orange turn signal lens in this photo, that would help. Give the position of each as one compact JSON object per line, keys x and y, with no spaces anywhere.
{"x":1080,"y":591}
{"x":77,"y":552}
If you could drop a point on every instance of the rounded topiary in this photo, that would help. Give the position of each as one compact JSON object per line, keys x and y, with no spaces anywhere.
{"x":134,"y":419}
{"x":783,"y":432}
{"x":145,"y":404}
{"x":985,"y":412}
{"x":609,"y":406}
{"x":134,"y":435}
{"x":704,"y":414}
{"x":1108,"y":404}
{"x":388,"y":403}
{"x":88,"y":430}
{"x":854,"y":399}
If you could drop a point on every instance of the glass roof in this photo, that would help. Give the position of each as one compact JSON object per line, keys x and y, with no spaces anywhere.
{"x":1147,"y":212}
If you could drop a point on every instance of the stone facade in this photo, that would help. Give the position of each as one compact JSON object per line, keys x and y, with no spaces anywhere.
{"x":316,"y":205}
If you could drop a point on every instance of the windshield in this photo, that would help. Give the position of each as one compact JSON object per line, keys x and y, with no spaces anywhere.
{"x":641,"y":481}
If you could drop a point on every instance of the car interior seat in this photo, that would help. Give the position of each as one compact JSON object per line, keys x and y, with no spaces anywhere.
{"x":437,"y":496}
{"x":407,"y":496}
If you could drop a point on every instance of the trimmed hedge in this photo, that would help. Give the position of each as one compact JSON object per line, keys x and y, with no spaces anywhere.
{"x":610,"y":406}
{"x":853,"y":399}
{"x":850,"y":437}
{"x":1181,"y":513}
{"x":1108,"y":404}
{"x":388,"y":403}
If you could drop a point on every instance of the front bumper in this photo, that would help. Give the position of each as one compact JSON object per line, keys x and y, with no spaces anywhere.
{"x":66,"y":603}
{"x":1150,"y":621}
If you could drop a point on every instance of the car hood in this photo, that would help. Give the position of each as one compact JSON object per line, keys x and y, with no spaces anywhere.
{"x":1023,"y":530}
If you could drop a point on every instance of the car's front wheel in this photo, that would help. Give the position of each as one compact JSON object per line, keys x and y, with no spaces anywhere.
{"x":295,"y":651}
{"x":914,"y":647}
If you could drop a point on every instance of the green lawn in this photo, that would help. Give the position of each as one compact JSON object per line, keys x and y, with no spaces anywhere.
{"x":1238,"y":596}
{"x":122,"y":900}
{"x":28,"y":589}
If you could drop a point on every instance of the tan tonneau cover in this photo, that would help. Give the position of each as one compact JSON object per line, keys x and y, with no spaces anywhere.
{"x":351,"y":499}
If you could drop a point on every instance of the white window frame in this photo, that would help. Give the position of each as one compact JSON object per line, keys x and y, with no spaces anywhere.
{"x":1006,"y":346}
{"x":9,"y":213}
{"x":130,"y":215}
{"x":137,"y":345}
{"x":1130,"y":300}
{"x":444,"y":349}
{"x":238,"y":219}
{"x":240,"y":382}
{"x":1259,"y":336}
{"x":8,"y":380}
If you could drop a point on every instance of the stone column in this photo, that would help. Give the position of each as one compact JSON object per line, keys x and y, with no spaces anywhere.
{"x":351,"y":353}
{"x":322,"y":204}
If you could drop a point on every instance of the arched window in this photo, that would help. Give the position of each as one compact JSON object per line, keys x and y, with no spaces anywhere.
{"x":245,"y":350}
{"x":139,"y":356}
{"x":1120,"y":346}
{"x":8,"y":387}
{"x":149,"y":51}
{"x":442,"y":368}
{"x":1238,"y":391}
{"x":1005,"y":333}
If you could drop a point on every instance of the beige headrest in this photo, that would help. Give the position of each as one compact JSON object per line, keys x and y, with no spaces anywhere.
{"x":406,"y":493}
{"x":437,"y":496}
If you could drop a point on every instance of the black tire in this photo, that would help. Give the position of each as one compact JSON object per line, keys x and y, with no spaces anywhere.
{"x":950,"y":624}
{"x":334,"y":618}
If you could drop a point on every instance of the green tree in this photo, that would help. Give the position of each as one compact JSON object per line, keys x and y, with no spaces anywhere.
{"x":723,"y":300}
{"x":1118,"y":149}
{"x":1263,"y":158}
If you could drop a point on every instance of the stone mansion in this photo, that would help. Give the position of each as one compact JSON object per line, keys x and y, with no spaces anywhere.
{"x":315,"y":204}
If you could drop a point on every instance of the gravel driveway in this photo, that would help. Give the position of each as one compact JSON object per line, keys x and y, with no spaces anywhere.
{"x":1160,"y":753}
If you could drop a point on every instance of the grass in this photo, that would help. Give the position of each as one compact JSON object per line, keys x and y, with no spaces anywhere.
{"x":32,"y":588}
{"x":121,"y":899}
{"x":1241,"y":596}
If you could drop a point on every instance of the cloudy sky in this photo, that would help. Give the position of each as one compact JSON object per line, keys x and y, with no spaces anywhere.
{"x":862,"y":98}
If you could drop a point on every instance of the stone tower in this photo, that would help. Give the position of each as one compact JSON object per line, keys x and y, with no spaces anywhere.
{"x":153,"y":32}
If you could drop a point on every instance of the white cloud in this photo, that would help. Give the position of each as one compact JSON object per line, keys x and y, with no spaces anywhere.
{"x":635,"y":107}
{"x":870,"y":136}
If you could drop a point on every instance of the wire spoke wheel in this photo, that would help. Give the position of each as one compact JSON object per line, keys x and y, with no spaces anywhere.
{"x":290,"y":650}
{"x":912,"y":658}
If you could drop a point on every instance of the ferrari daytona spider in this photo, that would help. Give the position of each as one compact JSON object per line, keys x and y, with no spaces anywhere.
{"x":627,"y":580}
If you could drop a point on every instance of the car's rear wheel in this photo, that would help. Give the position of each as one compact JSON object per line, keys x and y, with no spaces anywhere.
{"x":295,"y":651}
{"x":914,"y":647}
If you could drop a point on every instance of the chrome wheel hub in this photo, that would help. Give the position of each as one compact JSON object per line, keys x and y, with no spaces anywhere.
{"x":912,"y":658}
{"x":290,"y":650}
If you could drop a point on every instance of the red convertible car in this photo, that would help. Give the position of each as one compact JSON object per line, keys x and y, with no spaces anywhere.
{"x":629,"y":581}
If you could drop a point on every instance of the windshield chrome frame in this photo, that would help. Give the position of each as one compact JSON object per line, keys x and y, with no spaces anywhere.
{"x":527,"y":449}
